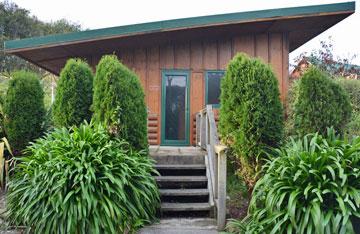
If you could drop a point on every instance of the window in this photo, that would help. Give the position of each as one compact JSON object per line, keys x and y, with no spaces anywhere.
{"x":212,"y":86}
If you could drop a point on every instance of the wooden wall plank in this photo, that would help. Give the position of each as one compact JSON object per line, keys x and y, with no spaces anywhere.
{"x":224,"y":53}
{"x":182,"y":56}
{"x":244,"y":43}
{"x":210,"y":55}
{"x":154,"y":83}
{"x":196,"y":56}
{"x":140,"y":67}
{"x":167,"y":58}
{"x":127,"y":57}
{"x":285,"y":64}
{"x":197,"y":91}
{"x":262,"y":47}
{"x":275,"y":55}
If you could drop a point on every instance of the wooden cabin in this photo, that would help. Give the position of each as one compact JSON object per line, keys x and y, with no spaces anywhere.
{"x":181,"y":62}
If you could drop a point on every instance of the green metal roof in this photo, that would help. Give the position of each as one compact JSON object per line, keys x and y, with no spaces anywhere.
{"x":176,"y":24}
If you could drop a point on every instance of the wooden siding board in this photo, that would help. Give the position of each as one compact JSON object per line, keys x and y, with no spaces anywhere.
{"x":196,"y":55}
{"x":276,"y":57}
{"x":182,"y":56}
{"x":224,"y":53}
{"x":210,"y":55}
{"x":140,"y":67}
{"x":285,"y":64}
{"x":196,"y":98}
{"x":262,"y":47}
{"x":167,"y":57}
{"x":154,"y":83}
{"x":245,"y":44}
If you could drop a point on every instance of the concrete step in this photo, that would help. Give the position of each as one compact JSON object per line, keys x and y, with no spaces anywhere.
{"x":181,"y":178}
{"x":174,"y":207}
{"x":181,"y":169}
{"x":180,"y":166}
{"x":184,"y":192}
{"x":181,"y":182}
{"x":167,"y":159}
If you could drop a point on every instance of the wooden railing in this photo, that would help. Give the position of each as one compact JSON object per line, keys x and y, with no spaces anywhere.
{"x":208,"y":139}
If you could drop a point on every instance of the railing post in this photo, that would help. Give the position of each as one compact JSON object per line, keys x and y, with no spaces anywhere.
{"x":203,"y":130}
{"x":221,"y":204}
{"x":197,"y":123}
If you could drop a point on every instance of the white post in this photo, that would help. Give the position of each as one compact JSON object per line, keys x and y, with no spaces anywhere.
{"x":221,"y":206}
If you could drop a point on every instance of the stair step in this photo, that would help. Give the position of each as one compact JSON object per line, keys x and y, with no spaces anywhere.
{"x":184,"y":192}
{"x":180,"y":166}
{"x":185,"y":207}
{"x":181,"y":178}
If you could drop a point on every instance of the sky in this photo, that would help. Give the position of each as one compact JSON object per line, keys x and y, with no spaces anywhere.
{"x":93,"y":14}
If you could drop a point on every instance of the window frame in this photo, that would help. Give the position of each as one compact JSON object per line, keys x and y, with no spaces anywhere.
{"x":207,"y":72}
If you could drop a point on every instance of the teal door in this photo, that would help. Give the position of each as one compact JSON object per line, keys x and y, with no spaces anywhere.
{"x":175,"y":108}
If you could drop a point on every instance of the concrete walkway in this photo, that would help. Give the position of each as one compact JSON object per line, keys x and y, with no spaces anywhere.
{"x":182,"y":226}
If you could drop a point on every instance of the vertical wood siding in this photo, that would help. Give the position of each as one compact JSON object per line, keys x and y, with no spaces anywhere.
{"x":199,"y":56}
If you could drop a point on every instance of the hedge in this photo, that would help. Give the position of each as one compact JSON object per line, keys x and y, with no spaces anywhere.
{"x":119,"y":101}
{"x":251,"y":115}
{"x":320,"y":103}
{"x":73,"y":94}
{"x":23,"y":109}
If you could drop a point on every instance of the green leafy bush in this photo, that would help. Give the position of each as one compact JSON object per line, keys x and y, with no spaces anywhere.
{"x":251,"y":116}
{"x":352,"y":87}
{"x":310,"y":186}
{"x":320,"y":103}
{"x":73,"y":94}
{"x":23,"y":109}
{"x":82,"y":181}
{"x":119,"y":101}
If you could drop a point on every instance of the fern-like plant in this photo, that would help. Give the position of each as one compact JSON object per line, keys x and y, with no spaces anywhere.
{"x":310,"y":186}
{"x":82,"y":181}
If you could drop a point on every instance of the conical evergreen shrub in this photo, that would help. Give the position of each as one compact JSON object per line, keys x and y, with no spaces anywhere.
{"x":24,"y":109}
{"x":73,"y":94}
{"x":251,"y":115}
{"x":119,"y":101}
{"x":320,"y":103}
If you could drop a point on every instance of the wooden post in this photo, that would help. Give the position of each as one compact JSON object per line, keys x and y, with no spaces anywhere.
{"x":203,"y":131}
{"x":221,"y":204}
{"x":197,"y":136}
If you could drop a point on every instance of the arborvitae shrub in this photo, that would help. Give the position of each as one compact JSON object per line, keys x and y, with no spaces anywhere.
{"x":119,"y":101}
{"x":320,"y":103}
{"x":24,"y":109}
{"x":251,"y":115}
{"x":352,"y":87}
{"x":73,"y":94}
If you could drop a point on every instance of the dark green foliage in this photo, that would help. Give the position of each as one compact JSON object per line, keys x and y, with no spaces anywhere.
{"x":24,"y":109}
{"x":310,"y":186}
{"x":82,"y":181}
{"x":352,"y":87}
{"x":119,"y":101}
{"x":320,"y":103}
{"x":74,"y":94}
{"x":251,"y":116}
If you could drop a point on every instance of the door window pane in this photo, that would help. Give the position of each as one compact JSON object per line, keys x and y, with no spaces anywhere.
{"x":175,"y":107}
{"x":213,"y":80}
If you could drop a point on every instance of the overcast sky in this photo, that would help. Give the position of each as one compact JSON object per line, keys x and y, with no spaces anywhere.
{"x":93,"y":14}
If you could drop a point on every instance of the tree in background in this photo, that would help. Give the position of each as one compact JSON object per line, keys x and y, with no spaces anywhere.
{"x":324,"y":59}
{"x":74,"y":94}
{"x":119,"y":101}
{"x":251,"y":115}
{"x":24,"y":109}
{"x":17,"y":23}
{"x":320,"y":103}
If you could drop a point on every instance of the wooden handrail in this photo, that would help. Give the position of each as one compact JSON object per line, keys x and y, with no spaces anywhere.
{"x":207,"y":138}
